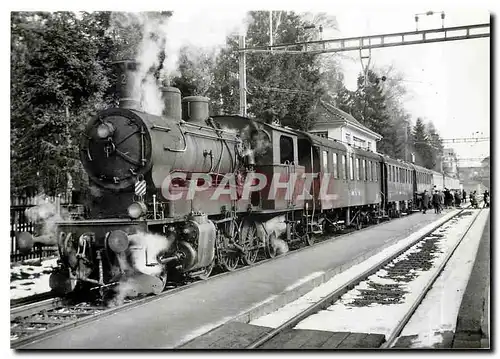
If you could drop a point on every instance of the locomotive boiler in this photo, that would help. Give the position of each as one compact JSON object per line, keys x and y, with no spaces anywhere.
{"x":168,"y":193}
{"x":134,"y":231}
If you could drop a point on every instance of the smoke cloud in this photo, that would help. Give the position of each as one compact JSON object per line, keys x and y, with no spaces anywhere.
{"x":145,"y":248}
{"x":278,"y":225}
{"x":201,"y":29}
{"x":47,"y":213}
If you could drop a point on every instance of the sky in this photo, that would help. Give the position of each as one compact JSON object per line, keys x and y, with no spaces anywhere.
{"x":448,"y":82}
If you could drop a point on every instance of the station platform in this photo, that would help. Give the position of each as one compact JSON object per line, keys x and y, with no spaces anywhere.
{"x":172,"y":319}
{"x":473,"y":320}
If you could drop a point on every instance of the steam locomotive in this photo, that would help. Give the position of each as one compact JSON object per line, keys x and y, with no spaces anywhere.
{"x":180,"y":193}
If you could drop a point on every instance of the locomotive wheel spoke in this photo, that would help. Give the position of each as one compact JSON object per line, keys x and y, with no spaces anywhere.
{"x":249,"y":242}
{"x":271,"y":249}
{"x":229,"y":259}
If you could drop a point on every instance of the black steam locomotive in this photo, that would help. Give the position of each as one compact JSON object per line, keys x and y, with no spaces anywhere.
{"x":181,"y":193}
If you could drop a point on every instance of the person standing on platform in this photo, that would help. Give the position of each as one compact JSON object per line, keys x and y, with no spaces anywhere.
{"x":441,"y":202}
{"x":425,"y":201}
{"x":464,"y":196}
{"x":435,"y":201}
{"x":458,"y":200}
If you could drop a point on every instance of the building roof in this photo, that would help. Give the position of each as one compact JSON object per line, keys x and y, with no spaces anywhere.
{"x":331,"y":115}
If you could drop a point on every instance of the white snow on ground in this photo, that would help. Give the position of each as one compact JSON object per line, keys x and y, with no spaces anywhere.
{"x":439,"y":310}
{"x":280,"y":316}
{"x":30,"y":277}
{"x":376,"y":318}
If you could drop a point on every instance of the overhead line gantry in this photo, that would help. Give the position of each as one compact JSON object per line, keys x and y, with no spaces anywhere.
{"x":378,"y":41}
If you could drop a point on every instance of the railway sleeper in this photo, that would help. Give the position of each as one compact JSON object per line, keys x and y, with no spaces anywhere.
{"x":41,"y":321}
{"x":68,"y":314}
{"x":27,"y":330}
{"x":390,"y":293}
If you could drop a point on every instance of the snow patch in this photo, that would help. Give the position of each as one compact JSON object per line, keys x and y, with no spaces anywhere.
{"x":30,"y":277}
{"x":439,"y":310}
{"x":342,"y":317}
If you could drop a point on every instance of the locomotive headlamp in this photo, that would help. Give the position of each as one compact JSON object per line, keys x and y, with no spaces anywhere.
{"x":105,"y":130}
{"x":136,"y":209}
{"x":118,"y":241}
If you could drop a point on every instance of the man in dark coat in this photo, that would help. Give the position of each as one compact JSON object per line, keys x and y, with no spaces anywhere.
{"x":436,"y":199}
{"x":425,"y":201}
{"x":464,"y":196}
{"x":447,"y":197}
{"x":486,"y":199}
{"x":458,"y":200}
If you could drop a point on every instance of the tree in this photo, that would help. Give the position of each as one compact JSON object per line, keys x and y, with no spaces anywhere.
{"x":57,"y":81}
{"x":423,"y":149}
{"x":368,"y":105}
{"x":395,"y":93}
{"x":436,"y":143}
{"x":281,"y":86}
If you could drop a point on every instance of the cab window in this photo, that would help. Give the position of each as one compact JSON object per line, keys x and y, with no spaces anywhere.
{"x":286,"y":149}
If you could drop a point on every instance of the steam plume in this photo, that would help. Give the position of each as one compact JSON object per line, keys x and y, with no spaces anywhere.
{"x":201,"y":29}
{"x":47,"y":214}
{"x":145,"y":248}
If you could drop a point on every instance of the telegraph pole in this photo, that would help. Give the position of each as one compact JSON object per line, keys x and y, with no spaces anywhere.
{"x":243,"y":78}
{"x":270,"y":28}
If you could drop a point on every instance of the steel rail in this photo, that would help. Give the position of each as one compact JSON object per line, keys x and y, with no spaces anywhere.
{"x":33,"y":308}
{"x":326,"y":301}
{"x":404,"y":321}
{"x":14,"y":303}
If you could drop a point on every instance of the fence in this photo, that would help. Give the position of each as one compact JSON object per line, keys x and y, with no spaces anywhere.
{"x":19,"y":222}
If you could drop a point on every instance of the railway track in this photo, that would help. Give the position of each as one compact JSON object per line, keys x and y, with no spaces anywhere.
{"x":35,"y":318}
{"x":417,"y":255}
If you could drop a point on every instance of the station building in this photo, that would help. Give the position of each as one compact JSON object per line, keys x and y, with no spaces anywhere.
{"x":336,"y":124}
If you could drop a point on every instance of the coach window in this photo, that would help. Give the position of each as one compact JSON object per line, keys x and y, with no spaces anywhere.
{"x":391,"y":178}
{"x":365,"y":176}
{"x":351,"y":168}
{"x":335,"y":161}
{"x":344,"y":167}
{"x":325,"y":161}
{"x":286,"y":149}
{"x":369,"y":170}
{"x":358,"y":169}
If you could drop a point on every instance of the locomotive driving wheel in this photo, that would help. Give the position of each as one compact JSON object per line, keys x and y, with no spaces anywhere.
{"x":271,"y":250}
{"x":250,"y":241}
{"x":208,"y":270}
{"x":228,"y":257}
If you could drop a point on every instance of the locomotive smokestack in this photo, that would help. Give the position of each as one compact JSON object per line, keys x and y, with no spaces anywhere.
{"x":172,"y":102}
{"x":126,"y":81}
{"x":195,"y":108}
